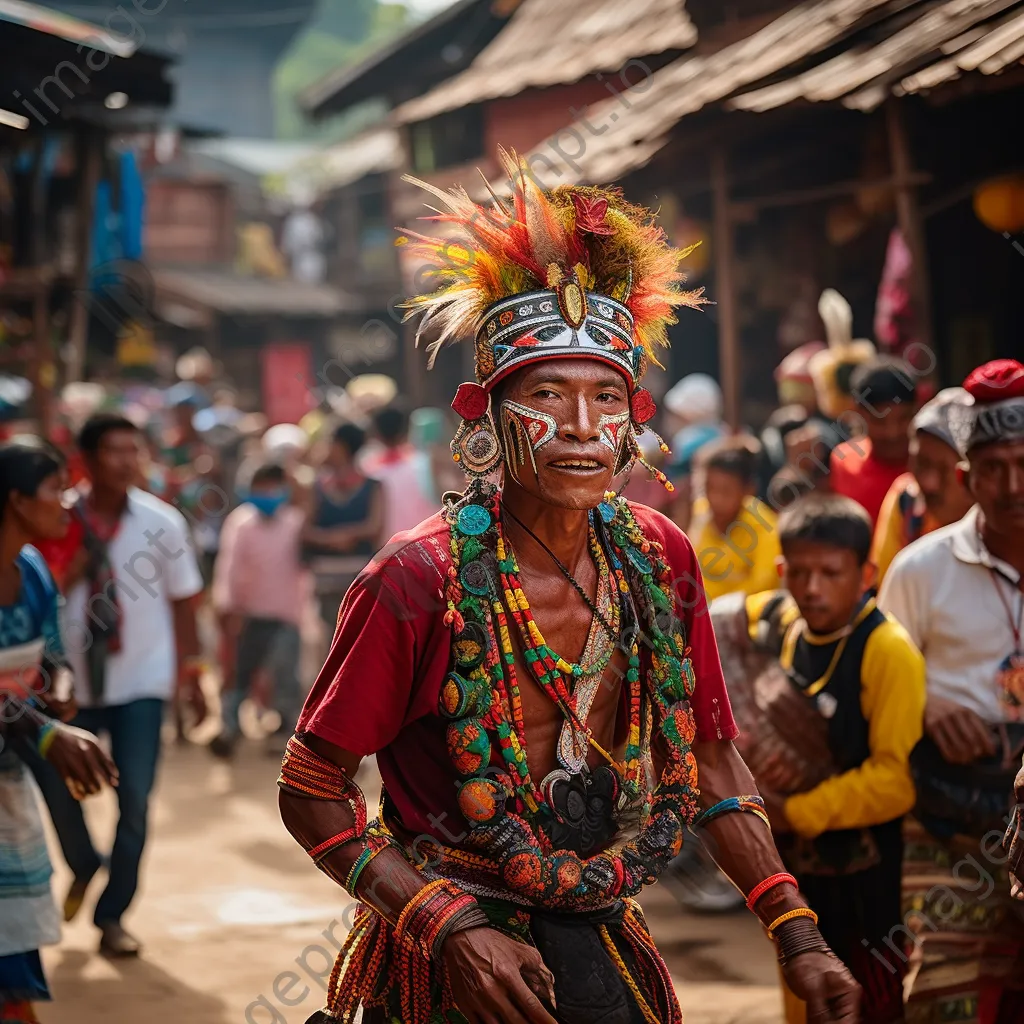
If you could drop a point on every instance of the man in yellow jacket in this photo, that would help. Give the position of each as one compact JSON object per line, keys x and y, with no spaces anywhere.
{"x":832,"y":722}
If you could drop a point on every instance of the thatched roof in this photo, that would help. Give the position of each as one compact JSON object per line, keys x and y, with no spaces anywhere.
{"x":550,"y":43}
{"x":856,"y":52}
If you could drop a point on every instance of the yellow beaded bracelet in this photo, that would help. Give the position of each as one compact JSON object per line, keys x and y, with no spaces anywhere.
{"x":790,"y":916}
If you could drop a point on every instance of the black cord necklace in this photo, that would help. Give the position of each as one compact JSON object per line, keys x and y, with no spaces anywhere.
{"x":608,"y":628}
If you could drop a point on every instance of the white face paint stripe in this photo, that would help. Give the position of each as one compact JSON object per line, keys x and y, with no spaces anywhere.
{"x":610,"y":430}
{"x":528,"y":420}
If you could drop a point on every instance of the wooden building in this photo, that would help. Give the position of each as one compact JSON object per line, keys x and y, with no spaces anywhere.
{"x":70,"y":90}
{"x":791,"y":138}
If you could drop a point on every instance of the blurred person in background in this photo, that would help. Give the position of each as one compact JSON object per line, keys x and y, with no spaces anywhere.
{"x":931,"y":495}
{"x":694,"y":407}
{"x":193,"y":470}
{"x":864,"y":468}
{"x":774,"y":454}
{"x":734,"y":533}
{"x":132,"y":644}
{"x":439,"y":472}
{"x":346,"y":519}
{"x":32,"y":481}
{"x":959,"y":592}
{"x":259,"y":593}
{"x":829,"y":693}
{"x":398,"y":467}
{"x":808,"y":452}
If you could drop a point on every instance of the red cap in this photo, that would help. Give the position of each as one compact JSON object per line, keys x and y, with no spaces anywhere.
{"x":996,"y":381}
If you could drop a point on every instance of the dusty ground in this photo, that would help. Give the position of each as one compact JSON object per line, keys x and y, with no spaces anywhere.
{"x":238,"y":927}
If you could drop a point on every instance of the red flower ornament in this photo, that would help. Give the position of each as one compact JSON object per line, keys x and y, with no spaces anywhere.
{"x":470,"y":401}
{"x":643,"y":406}
{"x":591,"y":214}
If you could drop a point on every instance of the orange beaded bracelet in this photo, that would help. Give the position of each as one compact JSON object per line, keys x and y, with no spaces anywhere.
{"x":790,"y":916}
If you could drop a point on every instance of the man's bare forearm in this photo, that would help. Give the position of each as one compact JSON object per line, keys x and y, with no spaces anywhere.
{"x":389,"y":881}
{"x":741,"y":844}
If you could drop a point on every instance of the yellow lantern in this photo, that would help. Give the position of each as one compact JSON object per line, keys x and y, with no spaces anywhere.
{"x":999,"y":204}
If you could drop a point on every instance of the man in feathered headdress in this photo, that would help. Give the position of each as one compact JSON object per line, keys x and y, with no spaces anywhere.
{"x":533,"y":667}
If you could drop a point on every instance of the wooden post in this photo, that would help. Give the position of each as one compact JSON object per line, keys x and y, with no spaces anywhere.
{"x":89,"y":155}
{"x":909,"y":216}
{"x":725,"y":287}
{"x":41,"y":370}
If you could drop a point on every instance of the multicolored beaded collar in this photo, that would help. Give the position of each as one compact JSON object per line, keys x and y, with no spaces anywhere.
{"x":510,"y":849}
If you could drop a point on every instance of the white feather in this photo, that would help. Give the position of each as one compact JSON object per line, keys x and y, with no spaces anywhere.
{"x":837,"y":317}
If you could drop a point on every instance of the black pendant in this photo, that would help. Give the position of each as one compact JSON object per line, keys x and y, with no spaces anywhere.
{"x":584,"y":810}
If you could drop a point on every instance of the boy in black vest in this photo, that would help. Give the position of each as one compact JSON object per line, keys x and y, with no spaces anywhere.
{"x":837,"y":710}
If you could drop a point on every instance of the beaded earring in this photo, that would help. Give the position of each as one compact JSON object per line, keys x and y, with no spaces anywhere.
{"x":475,"y":446}
{"x":643,"y":409}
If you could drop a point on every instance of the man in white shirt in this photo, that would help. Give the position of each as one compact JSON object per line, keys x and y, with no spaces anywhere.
{"x":130,"y":637}
{"x":959,"y":592}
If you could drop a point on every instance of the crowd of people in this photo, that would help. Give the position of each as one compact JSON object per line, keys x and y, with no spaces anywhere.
{"x":861,"y":557}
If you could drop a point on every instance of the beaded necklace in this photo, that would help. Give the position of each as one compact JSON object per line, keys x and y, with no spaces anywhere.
{"x":553,"y":672}
{"x":508,"y":851}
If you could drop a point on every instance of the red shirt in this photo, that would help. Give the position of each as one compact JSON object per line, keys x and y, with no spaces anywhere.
{"x":856,"y":473}
{"x":378,"y":691}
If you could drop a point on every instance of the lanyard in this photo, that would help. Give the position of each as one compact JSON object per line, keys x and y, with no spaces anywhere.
{"x":1016,"y":623}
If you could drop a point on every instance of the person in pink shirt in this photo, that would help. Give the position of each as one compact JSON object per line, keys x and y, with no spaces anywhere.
{"x":400,"y":468}
{"x":259,"y":591}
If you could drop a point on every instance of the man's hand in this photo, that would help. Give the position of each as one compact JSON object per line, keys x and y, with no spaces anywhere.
{"x":826,"y":986}
{"x":1015,"y":841}
{"x":961,"y":736}
{"x":778,"y":774}
{"x":81,"y":761}
{"x":496,"y":980}
{"x":190,"y":692}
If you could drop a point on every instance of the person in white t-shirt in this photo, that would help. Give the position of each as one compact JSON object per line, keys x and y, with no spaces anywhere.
{"x":959,"y":592}
{"x":130,"y":636}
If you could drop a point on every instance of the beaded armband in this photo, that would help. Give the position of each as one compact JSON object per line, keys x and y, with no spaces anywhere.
{"x":307,"y":772}
{"x":732,"y":805}
{"x":782,"y":878}
{"x":435,"y":912}
{"x":45,"y":737}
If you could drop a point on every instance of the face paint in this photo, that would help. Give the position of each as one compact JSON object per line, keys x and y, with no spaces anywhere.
{"x":614,"y":433}
{"x":525,"y":432}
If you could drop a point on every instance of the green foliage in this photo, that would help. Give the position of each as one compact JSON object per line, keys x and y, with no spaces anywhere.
{"x":342,"y":33}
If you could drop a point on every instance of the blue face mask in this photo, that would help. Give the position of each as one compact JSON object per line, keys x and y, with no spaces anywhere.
{"x":267,"y":503}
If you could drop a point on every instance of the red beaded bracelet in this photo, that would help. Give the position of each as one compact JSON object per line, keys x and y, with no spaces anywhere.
{"x":769,"y":883}
{"x":327,"y":845}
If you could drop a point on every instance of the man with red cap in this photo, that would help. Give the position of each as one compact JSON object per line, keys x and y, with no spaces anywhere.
{"x":958,"y":592}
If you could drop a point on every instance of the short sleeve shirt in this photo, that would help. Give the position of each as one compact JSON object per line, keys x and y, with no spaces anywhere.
{"x":154,"y":565}
{"x":379,"y":688}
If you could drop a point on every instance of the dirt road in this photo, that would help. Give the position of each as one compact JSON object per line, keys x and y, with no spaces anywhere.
{"x":240,"y":929}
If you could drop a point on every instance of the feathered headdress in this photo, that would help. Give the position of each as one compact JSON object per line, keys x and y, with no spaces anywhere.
{"x":575,"y":272}
{"x":831,"y":368}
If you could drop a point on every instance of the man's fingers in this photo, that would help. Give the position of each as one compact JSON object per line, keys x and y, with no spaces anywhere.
{"x":529,"y":1003}
{"x":107,"y":768}
{"x":981,"y":738}
{"x":847,"y":1006}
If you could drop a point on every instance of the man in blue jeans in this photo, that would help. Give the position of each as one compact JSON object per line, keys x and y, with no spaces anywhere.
{"x":130,"y":637}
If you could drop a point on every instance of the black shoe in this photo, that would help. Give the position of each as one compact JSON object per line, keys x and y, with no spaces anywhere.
{"x":116,"y":942}
{"x":223,"y":746}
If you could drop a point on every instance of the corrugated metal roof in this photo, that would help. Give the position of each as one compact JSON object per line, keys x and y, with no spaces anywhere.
{"x":226,"y":292}
{"x":891,"y":47}
{"x":546,"y":44}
